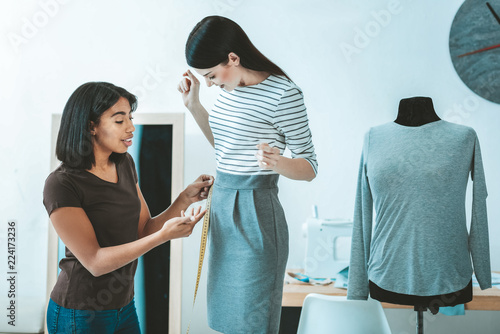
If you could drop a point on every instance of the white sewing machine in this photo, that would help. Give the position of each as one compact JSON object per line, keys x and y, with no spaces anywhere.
{"x":328,"y":246}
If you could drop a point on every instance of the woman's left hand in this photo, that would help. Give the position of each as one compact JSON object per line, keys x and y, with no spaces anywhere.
{"x":267,"y":156}
{"x":198,"y":190}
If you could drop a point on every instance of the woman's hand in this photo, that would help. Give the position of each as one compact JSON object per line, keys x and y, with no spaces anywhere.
{"x":190,"y":89}
{"x":295,"y":169}
{"x":195,"y":192}
{"x":267,"y":156}
{"x":198,"y":190}
{"x":181,"y":227}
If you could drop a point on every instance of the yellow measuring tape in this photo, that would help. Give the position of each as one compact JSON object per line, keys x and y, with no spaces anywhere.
{"x":203,"y":246}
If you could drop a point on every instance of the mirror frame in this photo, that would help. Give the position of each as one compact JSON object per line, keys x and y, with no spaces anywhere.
{"x":175,"y":288}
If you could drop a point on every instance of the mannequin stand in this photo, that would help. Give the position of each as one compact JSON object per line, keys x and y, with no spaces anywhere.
{"x":420,"y":320}
{"x":420,"y":317}
{"x":422,"y":303}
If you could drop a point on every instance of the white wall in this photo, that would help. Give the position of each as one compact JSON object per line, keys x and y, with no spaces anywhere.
{"x":140,"y":45}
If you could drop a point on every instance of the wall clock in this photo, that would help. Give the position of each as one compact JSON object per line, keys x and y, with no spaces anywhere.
{"x":475,"y":47}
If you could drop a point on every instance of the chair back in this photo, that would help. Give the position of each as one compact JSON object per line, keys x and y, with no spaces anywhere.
{"x":322,"y":314}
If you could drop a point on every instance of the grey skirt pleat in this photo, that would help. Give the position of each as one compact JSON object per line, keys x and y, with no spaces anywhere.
{"x":248,"y":252}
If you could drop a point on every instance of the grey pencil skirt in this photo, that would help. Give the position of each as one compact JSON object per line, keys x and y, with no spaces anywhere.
{"x":248,"y":251}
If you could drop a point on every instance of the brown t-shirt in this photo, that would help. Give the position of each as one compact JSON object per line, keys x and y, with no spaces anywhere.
{"x":113,"y":209}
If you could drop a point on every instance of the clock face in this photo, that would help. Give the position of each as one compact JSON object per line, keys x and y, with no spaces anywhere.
{"x":475,"y":47}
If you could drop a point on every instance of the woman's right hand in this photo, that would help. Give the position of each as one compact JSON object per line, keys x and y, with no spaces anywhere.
{"x":190,"y":89}
{"x":181,"y":227}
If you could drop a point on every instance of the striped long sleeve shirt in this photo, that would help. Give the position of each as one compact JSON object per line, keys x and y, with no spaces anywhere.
{"x":272,"y":112}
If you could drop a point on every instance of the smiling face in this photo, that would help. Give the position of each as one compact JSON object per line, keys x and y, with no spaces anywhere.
{"x":115,"y":129}
{"x":227,"y":76}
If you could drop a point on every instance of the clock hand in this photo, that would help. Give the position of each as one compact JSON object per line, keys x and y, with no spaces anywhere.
{"x":480,"y":50}
{"x":493,"y":12}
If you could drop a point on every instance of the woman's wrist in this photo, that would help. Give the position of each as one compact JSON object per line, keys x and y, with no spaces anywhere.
{"x":195,"y":106}
{"x":279,"y":163}
{"x":295,"y":169}
{"x":157,"y":238}
{"x":184,"y":200}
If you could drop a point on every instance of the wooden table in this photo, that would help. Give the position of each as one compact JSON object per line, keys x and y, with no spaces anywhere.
{"x":294,"y":294}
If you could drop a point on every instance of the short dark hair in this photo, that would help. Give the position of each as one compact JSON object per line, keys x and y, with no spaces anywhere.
{"x":88,"y":102}
{"x":214,"y":37}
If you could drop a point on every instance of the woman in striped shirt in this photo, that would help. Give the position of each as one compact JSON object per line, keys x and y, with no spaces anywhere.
{"x":259,"y":112}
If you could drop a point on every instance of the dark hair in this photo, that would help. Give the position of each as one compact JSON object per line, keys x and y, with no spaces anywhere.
{"x":214,"y":37}
{"x":87,"y":103}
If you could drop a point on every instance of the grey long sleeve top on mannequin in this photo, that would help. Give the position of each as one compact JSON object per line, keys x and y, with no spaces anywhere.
{"x":416,"y":178}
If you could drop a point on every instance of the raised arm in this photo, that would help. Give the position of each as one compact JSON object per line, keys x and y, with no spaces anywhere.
{"x":190,"y":89}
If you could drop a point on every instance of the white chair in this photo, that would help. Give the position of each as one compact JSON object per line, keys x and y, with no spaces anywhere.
{"x":323,"y":314}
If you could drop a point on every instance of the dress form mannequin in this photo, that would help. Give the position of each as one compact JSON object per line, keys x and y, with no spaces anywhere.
{"x":417,"y":111}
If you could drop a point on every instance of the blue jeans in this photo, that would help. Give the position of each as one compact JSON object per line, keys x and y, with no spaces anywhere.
{"x":65,"y":320}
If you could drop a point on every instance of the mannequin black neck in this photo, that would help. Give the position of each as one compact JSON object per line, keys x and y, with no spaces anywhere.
{"x":416,"y":111}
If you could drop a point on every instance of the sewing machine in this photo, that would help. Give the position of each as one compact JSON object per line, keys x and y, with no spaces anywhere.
{"x":328,"y":246}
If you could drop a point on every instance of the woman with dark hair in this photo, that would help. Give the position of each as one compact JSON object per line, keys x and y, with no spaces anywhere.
{"x":259,"y":112}
{"x":97,"y":209}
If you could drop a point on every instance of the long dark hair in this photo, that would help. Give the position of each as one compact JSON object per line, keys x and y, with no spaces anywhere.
{"x":87,"y":103}
{"x":214,"y":37}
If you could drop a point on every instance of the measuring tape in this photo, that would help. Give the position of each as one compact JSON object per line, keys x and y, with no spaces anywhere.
{"x":203,"y":246}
